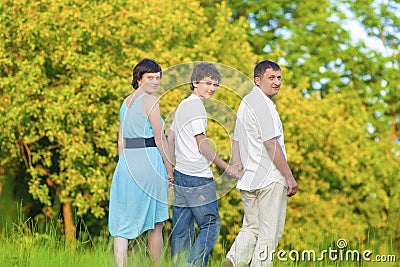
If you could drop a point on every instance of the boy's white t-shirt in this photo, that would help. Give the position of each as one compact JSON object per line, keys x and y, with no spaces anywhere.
{"x":190,"y":120}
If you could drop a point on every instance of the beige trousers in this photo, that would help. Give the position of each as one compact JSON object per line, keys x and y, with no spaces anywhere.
{"x":263,"y":223}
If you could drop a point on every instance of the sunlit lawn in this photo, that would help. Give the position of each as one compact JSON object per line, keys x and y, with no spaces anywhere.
{"x":22,"y":246}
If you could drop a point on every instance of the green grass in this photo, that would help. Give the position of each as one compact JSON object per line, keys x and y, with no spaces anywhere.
{"x":23,"y":244}
{"x":26,"y":244}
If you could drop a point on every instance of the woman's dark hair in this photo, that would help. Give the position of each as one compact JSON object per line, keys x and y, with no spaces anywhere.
{"x":203,"y":70}
{"x":145,"y":65}
{"x":262,"y":66}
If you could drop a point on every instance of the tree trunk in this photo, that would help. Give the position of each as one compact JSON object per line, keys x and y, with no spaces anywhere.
{"x":70,"y":229}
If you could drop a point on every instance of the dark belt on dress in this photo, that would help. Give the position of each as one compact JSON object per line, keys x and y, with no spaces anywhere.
{"x":132,"y":143}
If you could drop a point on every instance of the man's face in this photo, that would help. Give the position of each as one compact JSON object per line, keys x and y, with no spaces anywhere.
{"x":269,"y":82}
{"x":205,"y":88}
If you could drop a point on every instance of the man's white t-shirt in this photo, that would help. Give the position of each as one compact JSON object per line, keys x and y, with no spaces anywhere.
{"x":258,"y":121}
{"x":190,"y":120}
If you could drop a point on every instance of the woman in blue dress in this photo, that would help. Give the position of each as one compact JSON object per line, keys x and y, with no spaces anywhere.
{"x":139,"y":189}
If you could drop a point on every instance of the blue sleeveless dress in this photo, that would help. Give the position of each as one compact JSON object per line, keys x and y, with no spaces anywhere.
{"x":139,"y":189}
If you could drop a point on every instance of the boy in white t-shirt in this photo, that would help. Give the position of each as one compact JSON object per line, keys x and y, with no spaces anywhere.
{"x":194,"y":187}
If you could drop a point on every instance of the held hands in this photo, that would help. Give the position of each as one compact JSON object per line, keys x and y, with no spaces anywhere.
{"x":235,"y":171}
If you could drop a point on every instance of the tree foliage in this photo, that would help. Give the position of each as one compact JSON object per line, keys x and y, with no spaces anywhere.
{"x":346,"y":190}
{"x":65,"y":69}
{"x":315,"y":44}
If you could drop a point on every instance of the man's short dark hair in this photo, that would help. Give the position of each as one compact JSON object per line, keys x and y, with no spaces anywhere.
{"x":203,"y":70}
{"x":262,"y":66}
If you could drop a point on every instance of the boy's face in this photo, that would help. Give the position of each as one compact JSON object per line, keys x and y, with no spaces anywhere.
{"x":205,"y":88}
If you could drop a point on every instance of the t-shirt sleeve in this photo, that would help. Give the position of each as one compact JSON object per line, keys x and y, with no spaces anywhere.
{"x":196,"y":117}
{"x":198,"y":126}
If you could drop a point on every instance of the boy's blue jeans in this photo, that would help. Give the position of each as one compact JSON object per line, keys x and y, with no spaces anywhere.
{"x":195,"y":200}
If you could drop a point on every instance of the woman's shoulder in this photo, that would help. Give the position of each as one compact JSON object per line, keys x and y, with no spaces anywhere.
{"x":128,"y":100}
{"x":124,"y":105}
{"x":149,"y":100}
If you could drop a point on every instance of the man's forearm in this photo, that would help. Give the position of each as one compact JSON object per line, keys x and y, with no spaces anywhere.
{"x":235,"y":152}
{"x":276,"y":154}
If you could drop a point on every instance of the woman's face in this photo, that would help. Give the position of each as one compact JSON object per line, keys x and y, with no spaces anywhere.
{"x":149,"y":82}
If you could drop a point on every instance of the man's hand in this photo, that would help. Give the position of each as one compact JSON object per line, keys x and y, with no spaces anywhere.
{"x":292,"y":184}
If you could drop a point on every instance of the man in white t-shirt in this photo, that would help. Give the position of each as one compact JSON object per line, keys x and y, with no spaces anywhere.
{"x":267,"y":180}
{"x":194,"y":187}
